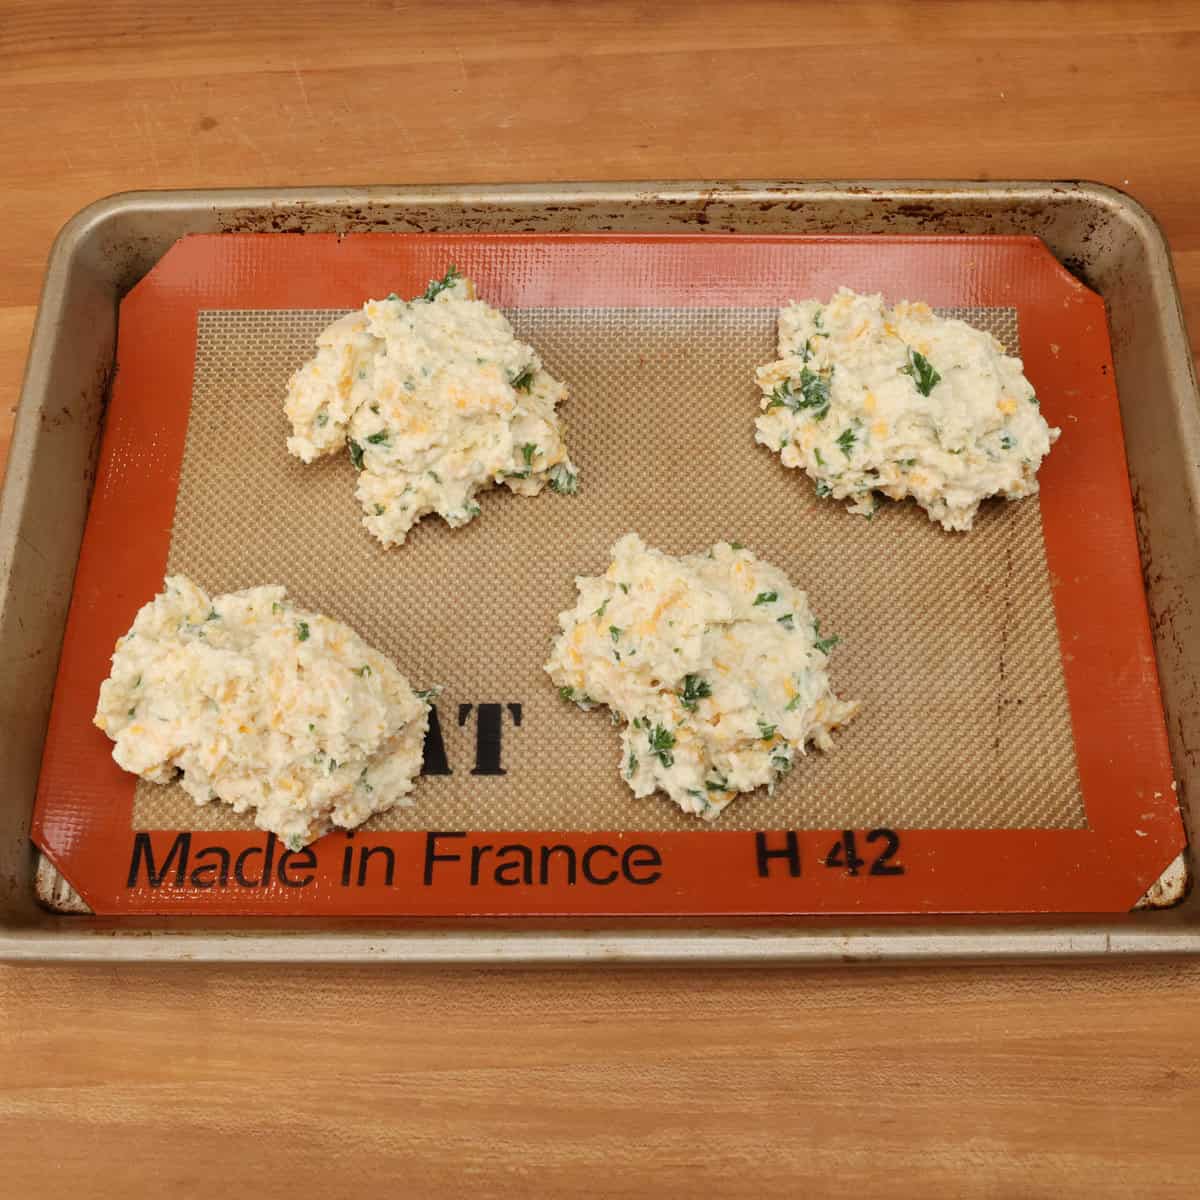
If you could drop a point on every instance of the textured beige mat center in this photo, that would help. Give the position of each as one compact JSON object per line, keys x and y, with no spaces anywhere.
{"x":948,"y":640}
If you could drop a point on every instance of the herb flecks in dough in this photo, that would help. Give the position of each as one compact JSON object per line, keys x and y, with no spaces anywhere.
{"x":263,"y":706}
{"x":874,"y":401}
{"x":436,"y":400}
{"x":716,"y":691}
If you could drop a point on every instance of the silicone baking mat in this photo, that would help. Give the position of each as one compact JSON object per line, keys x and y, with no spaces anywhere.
{"x":1010,"y":713}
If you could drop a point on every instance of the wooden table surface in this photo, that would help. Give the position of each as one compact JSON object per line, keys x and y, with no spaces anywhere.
{"x":1014,"y":1082}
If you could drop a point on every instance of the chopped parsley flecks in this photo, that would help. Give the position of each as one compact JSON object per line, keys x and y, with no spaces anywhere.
{"x":302,"y":631}
{"x":322,"y":419}
{"x":781,"y":397}
{"x":814,"y":389}
{"x":528,"y":450}
{"x":563,"y":480}
{"x":695,"y":688}
{"x":711,"y":735}
{"x":363,"y":671}
{"x":378,"y":439}
{"x":822,"y":489}
{"x":824,"y":644}
{"x":1007,"y":441}
{"x":924,"y":376}
{"x":846,"y":440}
{"x":631,"y":766}
{"x":624,"y":587}
{"x":356,"y":453}
{"x":662,"y":742}
{"x":604,"y":604}
{"x":523,"y":381}
{"x":438,"y":286}
{"x":813,"y":394}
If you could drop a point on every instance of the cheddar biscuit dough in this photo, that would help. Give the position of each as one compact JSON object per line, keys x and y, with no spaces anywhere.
{"x":712,"y":663}
{"x":436,"y":400}
{"x":870,"y":400}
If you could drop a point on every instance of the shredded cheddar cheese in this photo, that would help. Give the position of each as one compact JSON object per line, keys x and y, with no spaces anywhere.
{"x":712,"y":662}
{"x":262,"y":706}
{"x":436,"y":400}
{"x":867,"y":400}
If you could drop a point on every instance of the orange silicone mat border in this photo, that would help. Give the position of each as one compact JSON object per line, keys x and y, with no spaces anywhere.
{"x":83,"y":811}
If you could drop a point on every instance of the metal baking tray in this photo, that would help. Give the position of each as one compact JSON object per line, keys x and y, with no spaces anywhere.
{"x":1100,"y":235}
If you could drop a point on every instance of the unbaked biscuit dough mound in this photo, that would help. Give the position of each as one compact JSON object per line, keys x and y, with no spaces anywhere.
{"x":868,"y":399}
{"x":713,"y":663}
{"x":436,"y":400}
{"x":262,"y":706}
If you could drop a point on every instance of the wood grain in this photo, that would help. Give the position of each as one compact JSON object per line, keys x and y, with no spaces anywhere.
{"x":16,"y":325}
{"x":965,"y":1082}
{"x":973,"y":1083}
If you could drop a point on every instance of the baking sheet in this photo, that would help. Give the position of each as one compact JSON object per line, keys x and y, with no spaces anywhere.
{"x":678,"y":290}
